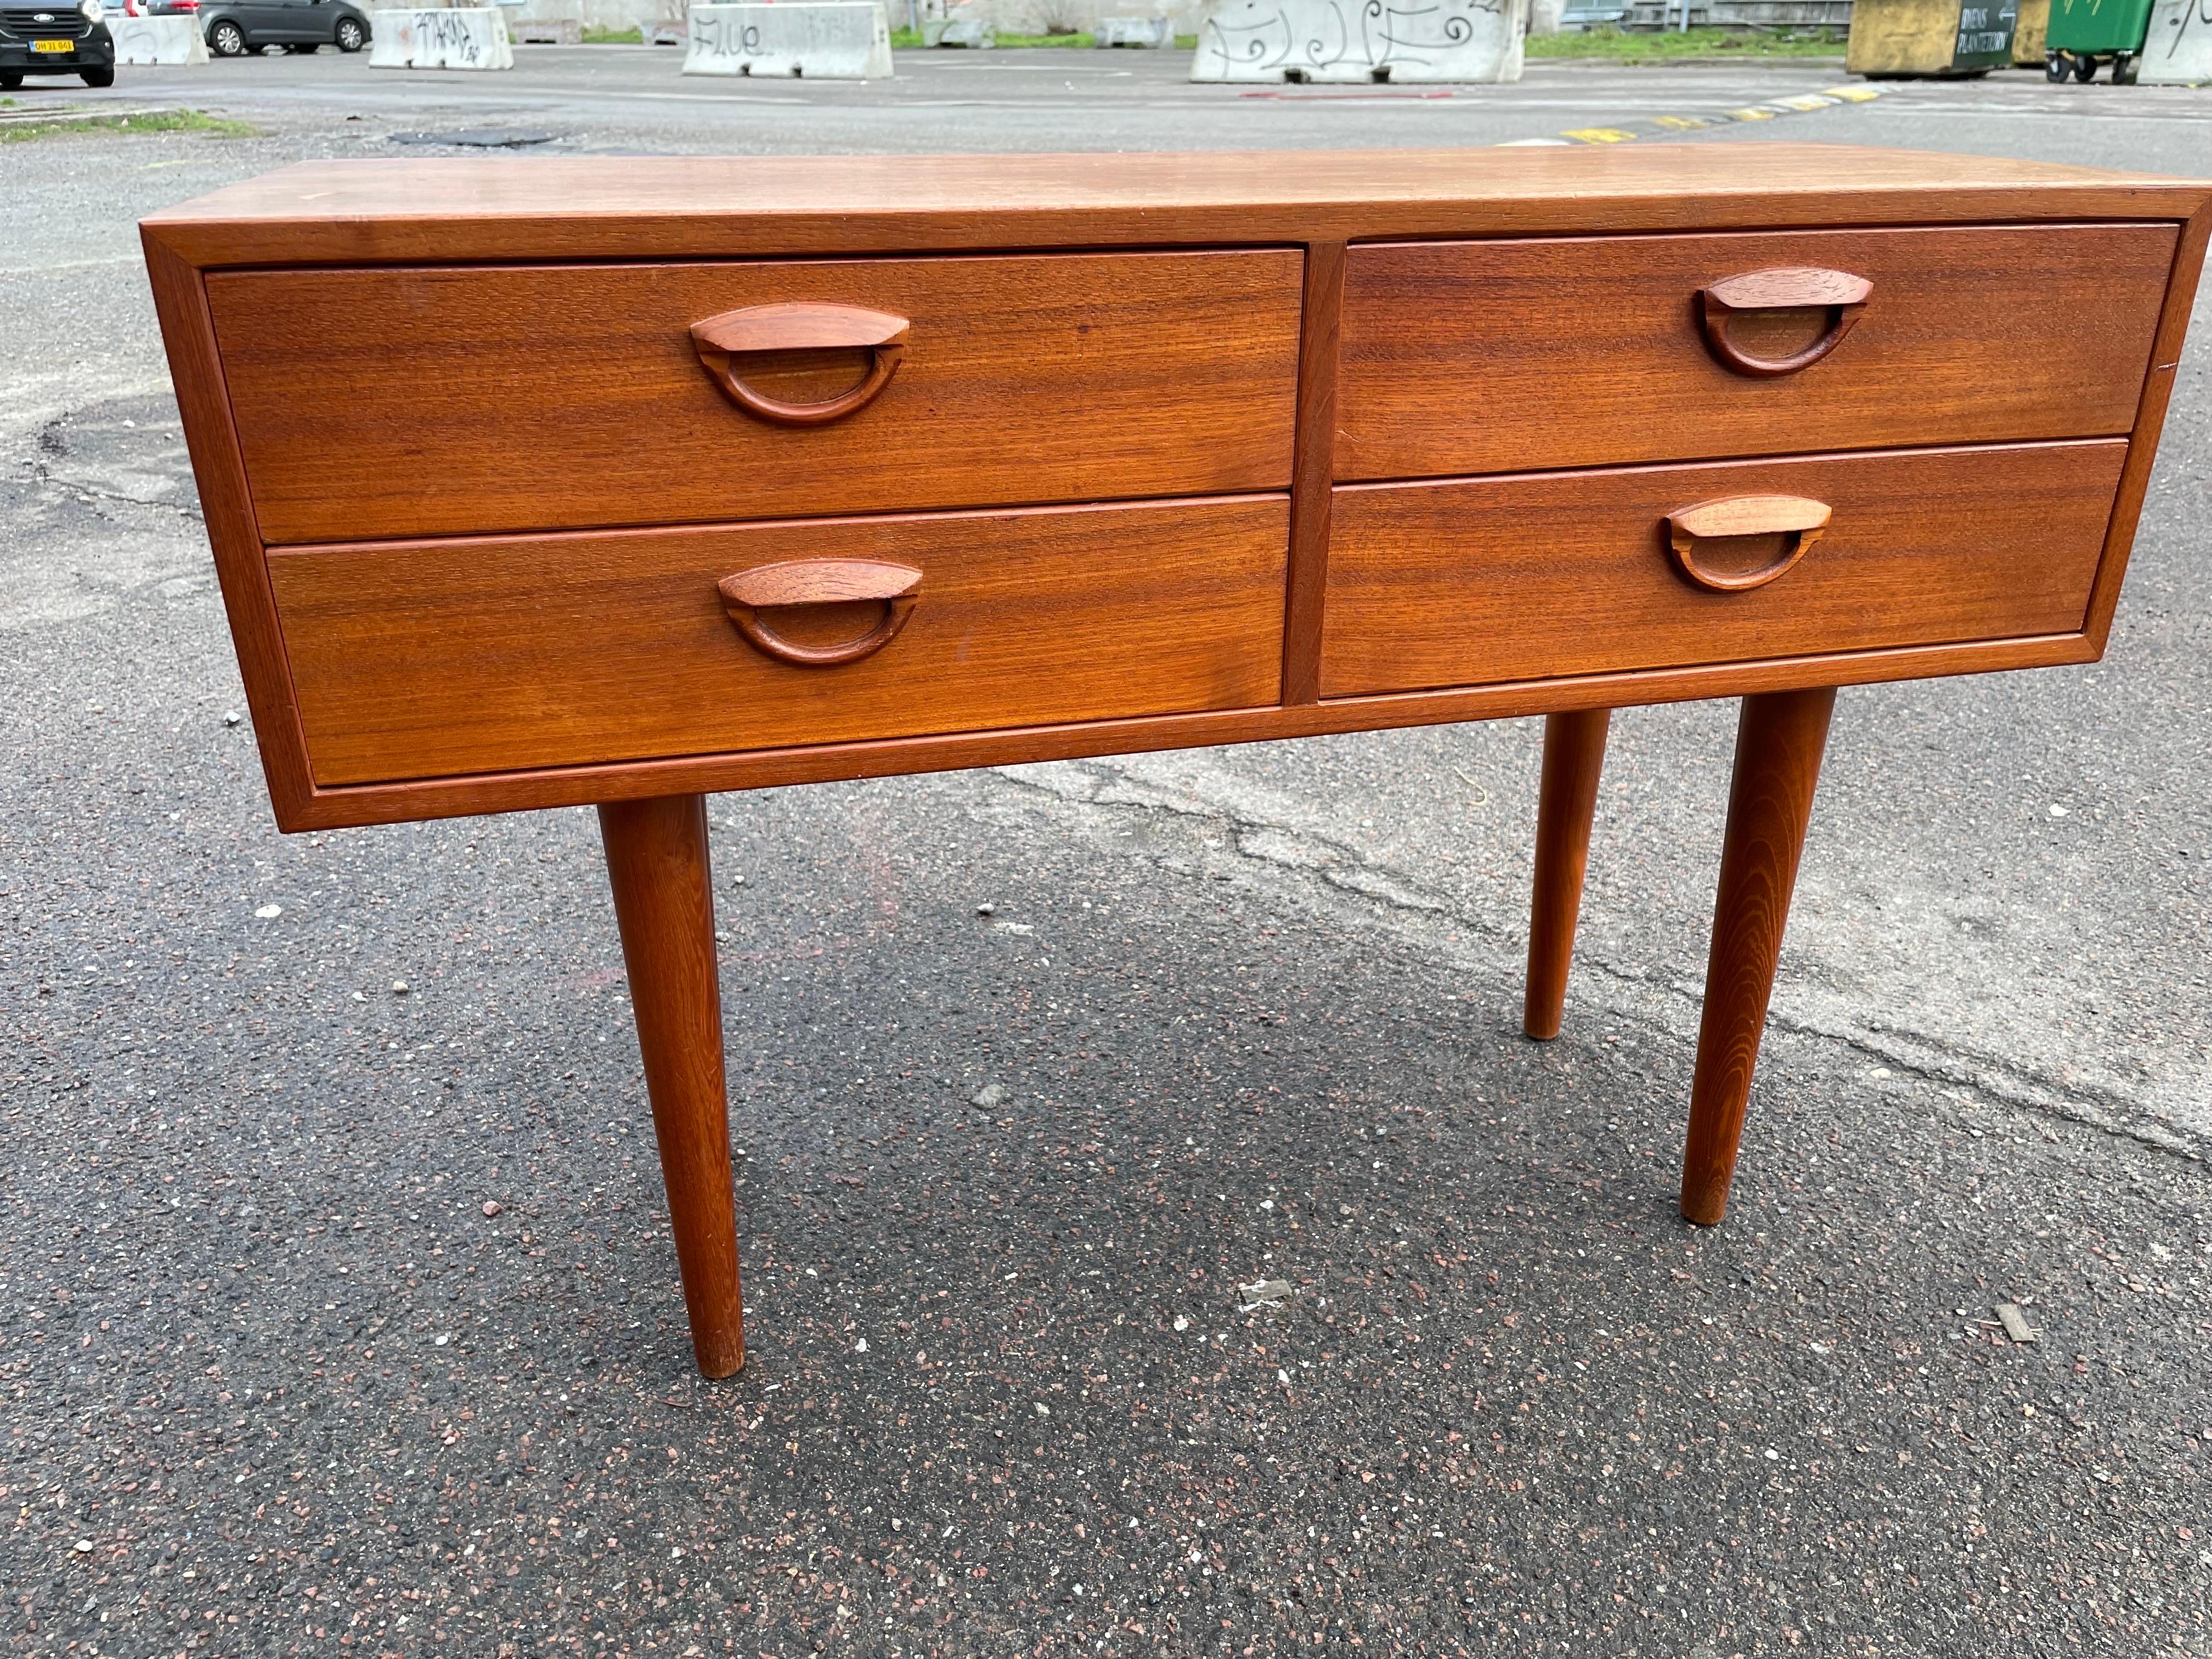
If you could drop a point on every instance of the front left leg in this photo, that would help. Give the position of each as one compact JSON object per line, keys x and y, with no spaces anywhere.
{"x":1779,"y":741}
{"x":665,"y":904}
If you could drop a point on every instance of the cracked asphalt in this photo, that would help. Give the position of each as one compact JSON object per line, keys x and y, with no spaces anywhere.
{"x":340,"y":1318}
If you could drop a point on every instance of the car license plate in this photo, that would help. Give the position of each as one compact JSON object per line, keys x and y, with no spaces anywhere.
{"x":63,"y":46}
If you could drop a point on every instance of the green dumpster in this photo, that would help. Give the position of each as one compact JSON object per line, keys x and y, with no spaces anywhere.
{"x":2084,"y":34}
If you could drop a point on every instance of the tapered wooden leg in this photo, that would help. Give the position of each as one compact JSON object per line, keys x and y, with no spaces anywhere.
{"x":1779,"y":741}
{"x":656,"y":863}
{"x":1566,"y":800}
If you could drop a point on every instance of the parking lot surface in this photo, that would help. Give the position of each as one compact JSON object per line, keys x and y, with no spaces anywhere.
{"x":337,"y":1318}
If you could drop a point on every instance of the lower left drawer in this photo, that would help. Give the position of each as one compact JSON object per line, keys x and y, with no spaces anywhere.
{"x":431,"y":659}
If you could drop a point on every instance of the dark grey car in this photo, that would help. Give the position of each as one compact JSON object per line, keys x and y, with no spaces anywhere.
{"x":236,"y":27}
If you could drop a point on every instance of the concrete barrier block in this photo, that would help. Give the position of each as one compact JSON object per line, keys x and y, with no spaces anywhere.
{"x":547,"y":32}
{"x":471,"y":40}
{"x":971,"y":32}
{"x":2177,"y":50}
{"x":1152,"y":33}
{"x":1392,"y":40}
{"x":828,"y":40}
{"x":175,"y":38}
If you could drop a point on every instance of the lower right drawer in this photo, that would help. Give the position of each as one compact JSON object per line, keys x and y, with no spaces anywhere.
{"x":1534,"y":576}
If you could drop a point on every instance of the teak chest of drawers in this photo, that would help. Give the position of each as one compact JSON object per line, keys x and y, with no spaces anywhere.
{"x":534,"y":484}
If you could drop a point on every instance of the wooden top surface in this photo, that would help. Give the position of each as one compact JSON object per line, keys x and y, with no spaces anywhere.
{"x":610,"y":206}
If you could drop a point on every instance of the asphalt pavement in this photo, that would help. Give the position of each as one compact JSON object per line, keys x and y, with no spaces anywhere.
{"x":337,"y":1318}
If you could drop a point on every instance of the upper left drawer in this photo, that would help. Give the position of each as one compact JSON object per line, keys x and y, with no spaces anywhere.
{"x":406,"y":401}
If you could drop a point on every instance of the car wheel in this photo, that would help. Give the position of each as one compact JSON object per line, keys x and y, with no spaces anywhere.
{"x":226,"y":39}
{"x":99,"y":77}
{"x":351,"y":37}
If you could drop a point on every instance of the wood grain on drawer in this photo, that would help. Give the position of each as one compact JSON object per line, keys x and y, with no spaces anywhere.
{"x":1512,"y":355}
{"x":429,"y":659}
{"x":1530,"y":577}
{"x":423,"y":401}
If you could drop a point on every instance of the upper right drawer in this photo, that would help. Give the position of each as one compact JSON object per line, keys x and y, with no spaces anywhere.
{"x":1507,"y":356}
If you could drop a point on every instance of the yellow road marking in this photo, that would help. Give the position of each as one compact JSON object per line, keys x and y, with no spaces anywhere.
{"x":1804,"y":102}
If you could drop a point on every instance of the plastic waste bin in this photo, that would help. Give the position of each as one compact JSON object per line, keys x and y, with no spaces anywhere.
{"x":2085,"y":33}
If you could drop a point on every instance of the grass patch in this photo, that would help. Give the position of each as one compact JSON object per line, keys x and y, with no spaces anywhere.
{"x":907,"y":40}
{"x":631,"y":36}
{"x":1613,"y":45}
{"x":172,"y":120}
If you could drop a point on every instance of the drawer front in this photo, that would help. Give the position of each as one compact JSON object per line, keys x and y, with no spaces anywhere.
{"x":1471,"y":582}
{"x":1464,"y":357}
{"x":431,"y":659}
{"x":414,"y":402}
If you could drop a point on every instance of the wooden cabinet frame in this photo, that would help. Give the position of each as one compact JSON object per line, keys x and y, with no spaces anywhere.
{"x":352,"y":215}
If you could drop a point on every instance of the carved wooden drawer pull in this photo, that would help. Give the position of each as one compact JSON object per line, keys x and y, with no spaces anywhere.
{"x":1799,"y":520}
{"x":1787,"y":288}
{"x":723,"y":339}
{"x":821,"y":581}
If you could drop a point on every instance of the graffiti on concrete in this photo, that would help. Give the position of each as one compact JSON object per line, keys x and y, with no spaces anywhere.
{"x":1360,"y":40}
{"x":475,"y":39}
{"x":826,"y":40}
{"x":721,"y":34}
{"x":2178,"y":47}
{"x":448,"y":35}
